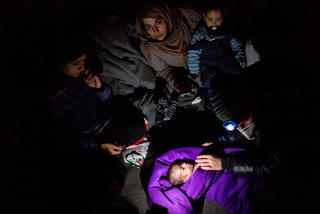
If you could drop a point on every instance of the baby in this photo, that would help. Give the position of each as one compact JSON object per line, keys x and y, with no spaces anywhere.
{"x":213,"y":49}
{"x":181,"y":170}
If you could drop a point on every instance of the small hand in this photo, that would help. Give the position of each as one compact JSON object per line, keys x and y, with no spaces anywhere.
{"x":113,"y":149}
{"x":91,"y":79}
{"x":243,"y":64}
{"x":184,"y":88}
{"x":176,"y":87}
{"x":195,"y":76}
{"x":209,"y":162}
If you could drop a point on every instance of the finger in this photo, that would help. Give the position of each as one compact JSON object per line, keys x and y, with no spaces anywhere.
{"x":202,"y":162}
{"x":206,"y":167}
{"x":117,"y":151}
{"x":204,"y":156}
{"x":207,"y":144}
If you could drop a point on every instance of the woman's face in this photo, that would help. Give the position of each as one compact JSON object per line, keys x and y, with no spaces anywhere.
{"x":156,"y":28}
{"x":74,"y":68}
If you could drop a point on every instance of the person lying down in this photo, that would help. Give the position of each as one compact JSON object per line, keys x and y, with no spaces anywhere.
{"x":178,"y":183}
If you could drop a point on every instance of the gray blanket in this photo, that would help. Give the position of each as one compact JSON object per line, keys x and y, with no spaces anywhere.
{"x":125,"y":69}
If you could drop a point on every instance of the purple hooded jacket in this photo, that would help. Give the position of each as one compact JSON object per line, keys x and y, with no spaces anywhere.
{"x":223,"y":187}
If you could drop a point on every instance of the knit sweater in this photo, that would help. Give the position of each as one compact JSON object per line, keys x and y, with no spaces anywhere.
{"x":75,"y":107}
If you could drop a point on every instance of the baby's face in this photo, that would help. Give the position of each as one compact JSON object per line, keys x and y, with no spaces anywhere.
{"x":213,"y":18}
{"x":183,"y":170}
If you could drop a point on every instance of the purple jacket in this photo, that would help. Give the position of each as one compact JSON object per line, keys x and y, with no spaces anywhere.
{"x":223,"y":187}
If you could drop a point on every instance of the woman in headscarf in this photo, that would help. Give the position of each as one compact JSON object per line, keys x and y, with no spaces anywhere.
{"x":165,"y":31}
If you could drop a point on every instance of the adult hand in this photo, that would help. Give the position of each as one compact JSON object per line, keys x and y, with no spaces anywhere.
{"x":207,"y":143}
{"x":113,"y":149}
{"x":209,"y":162}
{"x":91,"y":79}
{"x":243,"y":64}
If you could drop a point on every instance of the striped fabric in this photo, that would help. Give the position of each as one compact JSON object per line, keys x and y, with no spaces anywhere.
{"x":65,"y":98}
{"x":202,"y":35}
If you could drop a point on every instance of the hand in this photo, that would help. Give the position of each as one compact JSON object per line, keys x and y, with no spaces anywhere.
{"x":184,"y":87}
{"x":243,"y":64}
{"x":209,"y":162}
{"x":113,"y":149}
{"x":207,"y":143}
{"x":195,"y":76}
{"x":91,"y":79}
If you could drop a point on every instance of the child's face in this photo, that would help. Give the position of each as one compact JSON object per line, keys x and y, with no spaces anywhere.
{"x":156,"y":28}
{"x":183,"y":170}
{"x":213,"y":18}
{"x":74,"y":68}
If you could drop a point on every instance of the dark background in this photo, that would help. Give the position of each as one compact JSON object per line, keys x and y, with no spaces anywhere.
{"x":26,"y":27}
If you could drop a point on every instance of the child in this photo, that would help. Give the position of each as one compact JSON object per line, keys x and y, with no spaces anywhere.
{"x":233,"y":193}
{"x":213,"y":50}
{"x":181,"y":170}
{"x":83,"y":108}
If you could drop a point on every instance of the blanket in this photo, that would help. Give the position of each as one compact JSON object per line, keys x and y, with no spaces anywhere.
{"x":124,"y":66}
{"x":127,"y":71}
{"x":233,"y":193}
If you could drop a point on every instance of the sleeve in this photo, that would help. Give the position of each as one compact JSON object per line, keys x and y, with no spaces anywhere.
{"x":194,"y":56}
{"x":236,"y":46}
{"x":261,"y":165}
{"x":193,"y":53}
{"x":105,"y":93}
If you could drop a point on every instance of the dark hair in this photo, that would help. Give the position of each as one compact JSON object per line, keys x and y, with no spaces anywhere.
{"x":174,"y":180}
{"x":71,"y":46}
{"x":214,"y":5}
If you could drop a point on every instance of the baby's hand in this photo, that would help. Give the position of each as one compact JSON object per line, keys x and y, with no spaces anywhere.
{"x":113,"y":149}
{"x":243,"y":64}
{"x":91,"y":79}
{"x":195,"y":76}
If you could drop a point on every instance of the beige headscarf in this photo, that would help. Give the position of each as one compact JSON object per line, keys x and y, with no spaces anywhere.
{"x":178,"y":32}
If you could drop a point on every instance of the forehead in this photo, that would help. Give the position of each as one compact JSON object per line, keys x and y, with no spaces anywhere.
{"x":215,"y":13}
{"x":150,"y":21}
{"x":177,"y":171}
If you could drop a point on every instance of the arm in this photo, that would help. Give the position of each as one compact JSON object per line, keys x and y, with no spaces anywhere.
{"x":236,"y":46}
{"x":194,"y":54}
{"x":194,"y":61}
{"x":242,"y":165}
{"x":103,"y":91}
{"x":260,"y":165}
